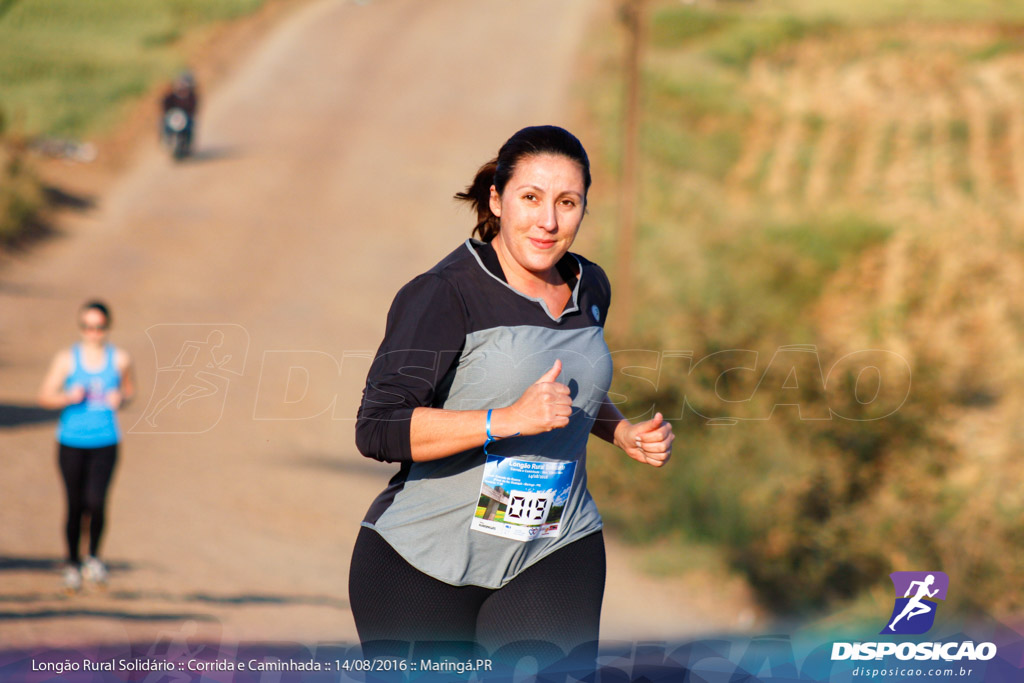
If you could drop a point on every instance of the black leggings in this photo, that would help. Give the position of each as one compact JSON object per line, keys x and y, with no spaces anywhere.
{"x":550,"y":609}
{"x":87,"y":473}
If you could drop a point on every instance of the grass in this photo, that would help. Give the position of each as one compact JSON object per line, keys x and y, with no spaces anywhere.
{"x":68,"y":66}
{"x":737,"y":47}
{"x":678,"y":26}
{"x":997,"y":49}
{"x":813,"y":125}
{"x":784,"y":268}
{"x":958,"y":137}
{"x":881,"y":11}
{"x":815,"y":513}
{"x":69,"y":69}
{"x":21,"y":195}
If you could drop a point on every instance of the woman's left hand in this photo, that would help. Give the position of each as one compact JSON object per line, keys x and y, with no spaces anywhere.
{"x":114,"y":399}
{"x":649,"y":442}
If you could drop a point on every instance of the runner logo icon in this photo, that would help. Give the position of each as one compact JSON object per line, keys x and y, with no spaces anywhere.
{"x":195,"y":364}
{"x":916,"y":601}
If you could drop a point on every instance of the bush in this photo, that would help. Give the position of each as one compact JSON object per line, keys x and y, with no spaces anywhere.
{"x":21,"y":195}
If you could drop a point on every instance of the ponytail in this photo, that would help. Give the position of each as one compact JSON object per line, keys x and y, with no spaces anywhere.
{"x":478,"y":195}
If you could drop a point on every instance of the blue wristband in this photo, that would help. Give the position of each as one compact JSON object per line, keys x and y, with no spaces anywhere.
{"x":490,"y":437}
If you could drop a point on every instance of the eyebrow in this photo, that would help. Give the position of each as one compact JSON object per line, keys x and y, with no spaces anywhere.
{"x":541,"y":190}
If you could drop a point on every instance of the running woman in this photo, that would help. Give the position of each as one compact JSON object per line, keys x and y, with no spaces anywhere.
{"x":492,"y":374}
{"x":89,"y":382}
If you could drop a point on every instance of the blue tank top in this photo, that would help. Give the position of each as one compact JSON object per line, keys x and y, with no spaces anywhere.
{"x":91,"y":423}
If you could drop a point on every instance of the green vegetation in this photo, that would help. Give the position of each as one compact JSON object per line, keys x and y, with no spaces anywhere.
{"x":750,"y":38}
{"x":815,"y":183}
{"x":68,"y":66}
{"x":21,"y":196}
{"x":677,"y":26}
{"x":731,"y":38}
{"x":875,"y":11}
{"x":997,"y":49}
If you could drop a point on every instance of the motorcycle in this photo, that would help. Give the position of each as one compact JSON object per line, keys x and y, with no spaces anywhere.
{"x":178,"y":133}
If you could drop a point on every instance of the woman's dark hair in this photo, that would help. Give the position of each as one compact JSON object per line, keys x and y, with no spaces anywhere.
{"x":525,"y":143}
{"x":97,"y":305}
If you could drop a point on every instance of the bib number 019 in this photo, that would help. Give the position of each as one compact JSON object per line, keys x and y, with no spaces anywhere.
{"x":526,"y":508}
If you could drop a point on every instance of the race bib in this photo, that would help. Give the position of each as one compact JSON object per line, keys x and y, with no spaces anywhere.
{"x":523,"y":499}
{"x":96,"y":395}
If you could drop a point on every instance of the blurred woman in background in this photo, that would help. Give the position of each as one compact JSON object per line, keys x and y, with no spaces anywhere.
{"x":89,"y":383}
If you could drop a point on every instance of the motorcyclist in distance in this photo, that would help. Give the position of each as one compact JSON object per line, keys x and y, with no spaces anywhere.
{"x":181,"y":95}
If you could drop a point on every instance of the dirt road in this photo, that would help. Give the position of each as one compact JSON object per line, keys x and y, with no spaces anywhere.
{"x":249,"y":284}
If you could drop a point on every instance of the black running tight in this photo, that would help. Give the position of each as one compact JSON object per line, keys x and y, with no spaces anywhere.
{"x":549,"y":610}
{"x":87,"y":473}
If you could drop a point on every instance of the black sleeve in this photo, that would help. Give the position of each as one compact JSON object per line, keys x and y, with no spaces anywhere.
{"x":425,"y":333}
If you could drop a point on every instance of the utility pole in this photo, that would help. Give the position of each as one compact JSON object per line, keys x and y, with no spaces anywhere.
{"x":633,"y":18}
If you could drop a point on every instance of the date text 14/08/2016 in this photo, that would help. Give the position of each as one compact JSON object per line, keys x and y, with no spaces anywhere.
{"x":458,"y":667}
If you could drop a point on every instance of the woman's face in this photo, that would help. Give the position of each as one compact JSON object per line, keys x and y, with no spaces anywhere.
{"x":93,"y":325}
{"x":540,"y":211}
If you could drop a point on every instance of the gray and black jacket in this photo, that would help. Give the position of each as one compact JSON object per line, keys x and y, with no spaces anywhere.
{"x":459,"y":337}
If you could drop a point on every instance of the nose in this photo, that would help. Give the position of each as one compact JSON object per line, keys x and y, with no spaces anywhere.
{"x":548,"y":218}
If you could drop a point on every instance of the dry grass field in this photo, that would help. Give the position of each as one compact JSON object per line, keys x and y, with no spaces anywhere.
{"x":840,"y":182}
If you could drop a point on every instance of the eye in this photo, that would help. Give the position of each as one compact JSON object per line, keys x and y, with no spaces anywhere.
{"x":529,"y":196}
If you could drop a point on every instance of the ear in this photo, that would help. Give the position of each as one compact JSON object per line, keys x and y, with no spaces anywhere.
{"x":495,"y":202}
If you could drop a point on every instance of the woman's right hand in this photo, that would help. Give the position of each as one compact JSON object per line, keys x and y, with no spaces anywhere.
{"x":544,"y":406}
{"x":75,"y":395}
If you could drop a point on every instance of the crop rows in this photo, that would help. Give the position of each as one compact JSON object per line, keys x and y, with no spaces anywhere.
{"x":890,"y":128}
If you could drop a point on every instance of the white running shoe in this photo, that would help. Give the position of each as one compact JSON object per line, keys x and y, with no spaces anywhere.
{"x":72,"y":579}
{"x":94,"y":571}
